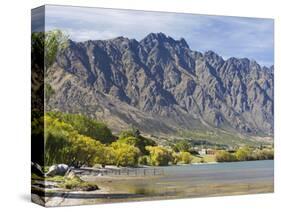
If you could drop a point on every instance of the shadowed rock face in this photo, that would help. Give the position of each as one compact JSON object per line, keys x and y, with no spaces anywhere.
{"x":160,"y":85}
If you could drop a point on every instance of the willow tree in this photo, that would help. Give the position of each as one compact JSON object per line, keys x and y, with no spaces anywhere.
{"x":45,"y":46}
{"x":55,"y":41}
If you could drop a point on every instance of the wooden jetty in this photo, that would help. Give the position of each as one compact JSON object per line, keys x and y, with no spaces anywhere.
{"x":116,"y":171}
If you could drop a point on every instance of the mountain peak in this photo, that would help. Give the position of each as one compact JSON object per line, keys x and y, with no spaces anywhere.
{"x":158,"y":36}
{"x":213,"y":56}
{"x":182,"y":42}
{"x":211,"y":53}
{"x":158,"y":76}
{"x":120,"y":38}
{"x":163,"y":38}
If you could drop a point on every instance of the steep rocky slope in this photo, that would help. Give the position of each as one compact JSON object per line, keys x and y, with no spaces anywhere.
{"x":160,"y":85}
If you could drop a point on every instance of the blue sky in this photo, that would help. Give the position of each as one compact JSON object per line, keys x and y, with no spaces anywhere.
{"x":227,"y":36}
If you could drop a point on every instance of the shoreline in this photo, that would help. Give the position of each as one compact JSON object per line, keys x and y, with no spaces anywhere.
{"x":175,"y":165}
{"x":144,"y":188}
{"x":105,"y":195}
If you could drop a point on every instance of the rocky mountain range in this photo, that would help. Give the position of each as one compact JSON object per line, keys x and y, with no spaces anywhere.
{"x":161,"y":85}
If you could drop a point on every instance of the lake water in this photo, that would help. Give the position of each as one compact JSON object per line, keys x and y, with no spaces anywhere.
{"x":185,"y":181}
{"x":197,"y":181}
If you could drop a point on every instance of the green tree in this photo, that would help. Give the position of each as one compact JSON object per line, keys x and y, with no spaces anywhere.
{"x":268,"y":154}
{"x":125,"y":154}
{"x":126,"y":133}
{"x":134,"y":137}
{"x":129,"y":140}
{"x":185,"y":157}
{"x":45,"y":46}
{"x":144,"y":160}
{"x":55,"y":41}
{"x":159,"y":156}
{"x":87,"y":151}
{"x":63,"y":144}
{"x":224,"y":156}
{"x":182,"y":146}
{"x":86,"y":126}
{"x":57,"y":141}
{"x":243,"y":154}
{"x":264,"y":154}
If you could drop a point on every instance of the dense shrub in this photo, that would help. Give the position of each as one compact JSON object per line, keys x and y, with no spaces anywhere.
{"x":224,"y":156}
{"x":63,"y":144}
{"x":181,"y":146}
{"x":133,"y":137}
{"x":182,"y":157}
{"x":57,"y":141}
{"x":185,"y":157}
{"x":264,"y":154}
{"x":144,"y":160}
{"x":71,"y":139}
{"x":159,"y":156}
{"x":124,"y":154}
{"x":86,"y":126}
{"x":243,"y":154}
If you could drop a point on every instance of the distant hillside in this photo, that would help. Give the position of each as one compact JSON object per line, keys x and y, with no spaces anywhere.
{"x":161,"y":86}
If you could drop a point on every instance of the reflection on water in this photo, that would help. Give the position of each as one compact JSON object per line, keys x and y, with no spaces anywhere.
{"x":200,"y":180}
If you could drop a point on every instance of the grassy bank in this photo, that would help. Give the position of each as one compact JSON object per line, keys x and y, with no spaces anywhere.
{"x":73,"y":183}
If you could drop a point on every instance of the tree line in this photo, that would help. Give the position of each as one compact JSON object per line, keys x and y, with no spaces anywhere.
{"x":77,"y":140}
{"x":245,"y":154}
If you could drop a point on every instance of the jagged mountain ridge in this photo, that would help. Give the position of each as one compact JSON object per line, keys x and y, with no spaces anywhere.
{"x":161,"y":86}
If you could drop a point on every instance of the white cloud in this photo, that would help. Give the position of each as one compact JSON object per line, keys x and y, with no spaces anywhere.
{"x":241,"y":37}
